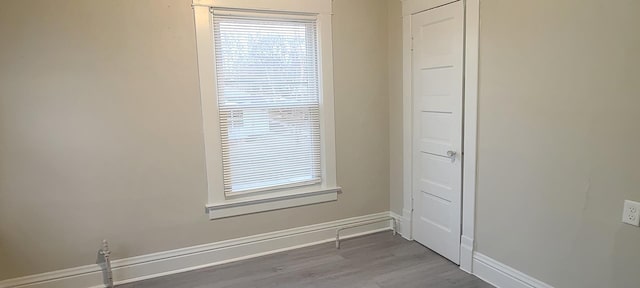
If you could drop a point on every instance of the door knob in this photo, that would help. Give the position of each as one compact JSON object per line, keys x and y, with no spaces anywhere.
{"x":452,"y":154}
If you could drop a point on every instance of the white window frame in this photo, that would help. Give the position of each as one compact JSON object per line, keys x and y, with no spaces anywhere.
{"x":219,"y":205}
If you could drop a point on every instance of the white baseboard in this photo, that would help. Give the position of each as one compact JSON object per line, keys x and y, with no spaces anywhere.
{"x":466,"y":254}
{"x":185,"y":259}
{"x":501,"y":275}
{"x":404,"y":225}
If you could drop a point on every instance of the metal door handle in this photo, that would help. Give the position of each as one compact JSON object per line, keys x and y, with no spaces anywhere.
{"x":452,"y":154}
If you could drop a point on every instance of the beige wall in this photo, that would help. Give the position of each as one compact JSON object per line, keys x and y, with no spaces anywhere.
{"x":101,"y":132}
{"x":394,"y":24}
{"x":558,"y":139}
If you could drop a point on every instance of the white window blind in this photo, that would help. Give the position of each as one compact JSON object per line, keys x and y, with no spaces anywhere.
{"x":268,"y":100}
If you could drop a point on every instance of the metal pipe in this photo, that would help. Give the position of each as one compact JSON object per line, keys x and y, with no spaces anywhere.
{"x":393,"y":227}
{"x":107,"y":263}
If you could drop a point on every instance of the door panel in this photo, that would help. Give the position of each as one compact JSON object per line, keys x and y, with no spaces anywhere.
{"x":435,"y":132}
{"x":437,"y":80}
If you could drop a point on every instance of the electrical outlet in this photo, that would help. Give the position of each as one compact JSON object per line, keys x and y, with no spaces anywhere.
{"x":631,"y":213}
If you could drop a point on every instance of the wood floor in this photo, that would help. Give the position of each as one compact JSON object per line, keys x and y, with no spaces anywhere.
{"x":374,"y":261}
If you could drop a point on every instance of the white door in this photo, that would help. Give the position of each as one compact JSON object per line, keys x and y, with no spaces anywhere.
{"x":437,"y":81}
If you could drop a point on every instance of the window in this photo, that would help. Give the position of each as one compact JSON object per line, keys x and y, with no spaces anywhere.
{"x":267,"y":103}
{"x":267,"y":77}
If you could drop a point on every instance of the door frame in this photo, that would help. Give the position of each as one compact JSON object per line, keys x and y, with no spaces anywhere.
{"x":470,"y":120}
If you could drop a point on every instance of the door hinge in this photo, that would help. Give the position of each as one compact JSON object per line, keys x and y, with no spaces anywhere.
{"x":411,"y":43}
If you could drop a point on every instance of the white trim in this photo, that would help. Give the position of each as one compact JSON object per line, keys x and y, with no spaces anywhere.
{"x":270,"y":202}
{"x":472,"y":23}
{"x":410,"y":7}
{"x":210,"y":117}
{"x":185,"y":259}
{"x":404,"y":225}
{"x":406,"y":215}
{"x":407,"y":123}
{"x":307,"y":6}
{"x":501,"y":275}
{"x":327,"y":127}
{"x":472,"y":31}
{"x":466,"y":254}
{"x":220,"y":205}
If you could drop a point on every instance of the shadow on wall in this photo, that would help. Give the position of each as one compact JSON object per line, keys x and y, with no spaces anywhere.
{"x":623,"y":275}
{"x":3,"y":255}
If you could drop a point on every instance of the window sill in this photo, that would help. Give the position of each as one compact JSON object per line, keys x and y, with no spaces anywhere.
{"x":263,"y":203}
